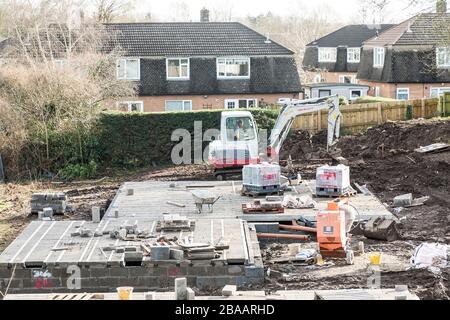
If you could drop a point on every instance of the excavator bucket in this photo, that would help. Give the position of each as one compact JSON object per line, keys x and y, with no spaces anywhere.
{"x":381,"y":229}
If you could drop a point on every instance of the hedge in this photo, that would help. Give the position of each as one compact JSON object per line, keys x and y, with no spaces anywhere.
{"x":134,"y":140}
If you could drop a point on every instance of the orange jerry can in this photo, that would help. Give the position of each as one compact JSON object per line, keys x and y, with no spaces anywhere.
{"x":331,"y":233}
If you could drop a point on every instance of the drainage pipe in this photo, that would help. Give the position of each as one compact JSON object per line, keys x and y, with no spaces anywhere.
{"x":298,"y":228}
{"x":283,"y":236}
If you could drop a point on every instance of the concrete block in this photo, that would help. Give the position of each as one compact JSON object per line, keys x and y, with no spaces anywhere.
{"x":403,"y":200}
{"x":190,"y":294}
{"x":400,"y":288}
{"x":254,"y":272}
{"x":130,"y":192}
{"x":116,"y":214}
{"x":181,"y":289}
{"x":267,"y":227}
{"x":48,"y":212}
{"x":160,"y":253}
{"x":150,"y":295}
{"x":176,"y":254}
{"x":96,"y":214}
{"x":235,"y":270}
{"x":229,"y":290}
{"x":133,"y":256}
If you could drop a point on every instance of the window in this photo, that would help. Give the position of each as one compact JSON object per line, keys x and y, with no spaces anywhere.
{"x":178,"y":105}
{"x":355,"y":94}
{"x":353,"y":55}
{"x":240,"y":129}
{"x":327,"y":54}
{"x":131,"y":106}
{"x":128,"y":69}
{"x":347,"y":79}
{"x":403,"y":94}
{"x":317,"y":78}
{"x":378,"y":57}
{"x":377,"y":91}
{"x":240,"y":103}
{"x":233,"y":68}
{"x":443,"y":57}
{"x":324,"y":93}
{"x":177,"y":68}
{"x":436,"y":92}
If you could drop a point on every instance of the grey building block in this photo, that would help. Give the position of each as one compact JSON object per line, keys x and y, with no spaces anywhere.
{"x":269,"y":227}
{"x":190,"y":294}
{"x":130,"y":192}
{"x":176,"y":254}
{"x":150,"y":296}
{"x":403,"y":200}
{"x":254,"y":272}
{"x":48,"y":212}
{"x":229,"y":290}
{"x":180,"y":289}
{"x":160,"y":253}
{"x":235,"y":270}
{"x":96,"y":214}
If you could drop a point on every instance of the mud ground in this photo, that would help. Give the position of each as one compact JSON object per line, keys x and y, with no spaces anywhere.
{"x":383,"y":158}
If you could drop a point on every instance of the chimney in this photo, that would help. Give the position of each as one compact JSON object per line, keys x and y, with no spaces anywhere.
{"x":441,"y":6}
{"x":204,"y":15}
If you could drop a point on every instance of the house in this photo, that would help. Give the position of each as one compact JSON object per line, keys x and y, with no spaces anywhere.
{"x":202,"y":65}
{"x":411,"y":60}
{"x":351,"y":91}
{"x":335,"y":58}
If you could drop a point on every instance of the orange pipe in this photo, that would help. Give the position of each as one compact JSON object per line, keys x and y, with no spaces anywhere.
{"x":298,"y":228}
{"x":283,"y":236}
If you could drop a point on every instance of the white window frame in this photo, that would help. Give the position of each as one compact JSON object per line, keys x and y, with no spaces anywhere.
{"x":236,"y":101}
{"x":400,"y":89}
{"x":125,"y":60}
{"x":351,"y":53}
{"x":232,"y":77}
{"x":182,"y":102}
{"x":379,"y":55}
{"x":129,"y":103}
{"x":440,"y":91}
{"x":343,"y":76}
{"x":180,"y":77}
{"x":377,"y":91}
{"x":317,"y":78}
{"x":446,"y":53}
{"x":327,"y":55}
{"x":360,"y":94}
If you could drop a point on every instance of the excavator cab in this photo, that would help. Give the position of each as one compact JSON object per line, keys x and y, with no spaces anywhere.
{"x":237,"y":145}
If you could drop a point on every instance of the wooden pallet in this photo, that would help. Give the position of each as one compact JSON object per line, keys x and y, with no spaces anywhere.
{"x":260,"y":194}
{"x":253,"y":209}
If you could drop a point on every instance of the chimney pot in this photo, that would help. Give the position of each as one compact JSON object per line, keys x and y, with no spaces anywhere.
{"x":204,"y":15}
{"x":441,"y":6}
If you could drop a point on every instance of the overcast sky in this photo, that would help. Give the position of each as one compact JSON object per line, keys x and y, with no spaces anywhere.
{"x":344,"y":10}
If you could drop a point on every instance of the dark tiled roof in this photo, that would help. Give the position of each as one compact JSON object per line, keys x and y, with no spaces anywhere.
{"x":192,"y":39}
{"x":427,"y":29}
{"x":351,"y":35}
{"x":335,"y":84}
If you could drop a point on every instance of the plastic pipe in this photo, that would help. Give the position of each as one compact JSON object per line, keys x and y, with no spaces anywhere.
{"x":283,"y":236}
{"x":298,"y":228}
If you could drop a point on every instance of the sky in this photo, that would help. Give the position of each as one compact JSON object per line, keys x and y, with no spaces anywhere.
{"x":342,"y":10}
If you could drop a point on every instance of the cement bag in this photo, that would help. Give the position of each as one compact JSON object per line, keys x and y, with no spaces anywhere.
{"x":430,"y":255}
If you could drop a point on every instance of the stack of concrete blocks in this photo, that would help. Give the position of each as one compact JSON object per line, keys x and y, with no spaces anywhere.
{"x":96,"y":214}
{"x":56,"y":201}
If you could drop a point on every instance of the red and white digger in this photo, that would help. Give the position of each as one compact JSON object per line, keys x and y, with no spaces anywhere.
{"x":239,"y":145}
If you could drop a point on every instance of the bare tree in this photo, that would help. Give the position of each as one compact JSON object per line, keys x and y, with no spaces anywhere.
{"x":108,"y":10}
{"x":180,"y":11}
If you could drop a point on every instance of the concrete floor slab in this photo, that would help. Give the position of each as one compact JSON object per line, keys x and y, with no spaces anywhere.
{"x":150,"y":199}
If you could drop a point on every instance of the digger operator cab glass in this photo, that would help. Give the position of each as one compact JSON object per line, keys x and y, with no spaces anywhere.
{"x":240,"y":129}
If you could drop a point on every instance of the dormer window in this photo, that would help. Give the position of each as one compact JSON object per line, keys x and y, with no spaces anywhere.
{"x":128,"y":69}
{"x":353,"y":55}
{"x":378,"y":57}
{"x":177,"y":68}
{"x":233,"y":68}
{"x":327,"y":54}
{"x":443,"y":57}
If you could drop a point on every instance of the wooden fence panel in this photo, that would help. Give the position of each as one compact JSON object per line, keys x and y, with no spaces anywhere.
{"x":361,"y":116}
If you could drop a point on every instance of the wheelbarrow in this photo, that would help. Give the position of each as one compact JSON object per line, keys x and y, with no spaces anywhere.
{"x":204,"y":197}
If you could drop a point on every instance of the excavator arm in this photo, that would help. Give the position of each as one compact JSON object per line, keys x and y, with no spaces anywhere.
{"x":292,"y":109}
